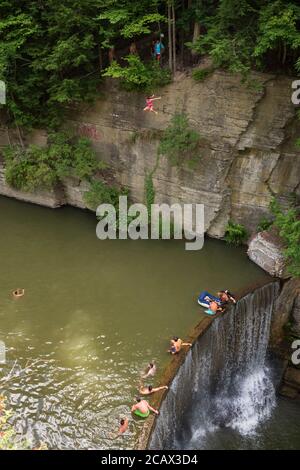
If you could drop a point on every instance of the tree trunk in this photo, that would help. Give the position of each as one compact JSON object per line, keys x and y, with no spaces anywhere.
{"x":174,"y":37}
{"x":284,"y":53}
{"x":196,"y":35}
{"x":170,"y":38}
{"x":100,"y":58}
{"x":182,"y":36}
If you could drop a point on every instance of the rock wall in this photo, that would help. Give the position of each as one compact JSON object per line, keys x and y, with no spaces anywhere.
{"x":290,"y":385}
{"x":265,"y":249}
{"x":247,"y":151}
{"x":286,"y":311}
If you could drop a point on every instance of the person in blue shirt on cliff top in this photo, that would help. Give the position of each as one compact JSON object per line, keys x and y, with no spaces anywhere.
{"x":158,"y":49}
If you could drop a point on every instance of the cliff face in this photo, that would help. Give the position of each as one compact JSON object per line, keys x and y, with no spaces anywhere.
{"x":247,"y":149}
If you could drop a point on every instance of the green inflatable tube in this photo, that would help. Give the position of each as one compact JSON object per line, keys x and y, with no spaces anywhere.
{"x":140,"y":414}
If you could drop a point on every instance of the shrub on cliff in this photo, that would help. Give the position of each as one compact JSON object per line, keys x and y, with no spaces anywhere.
{"x":102,"y":193}
{"x":235,"y":234}
{"x":264,"y":224}
{"x":288,"y":224}
{"x":36,"y":167}
{"x":179,"y":142}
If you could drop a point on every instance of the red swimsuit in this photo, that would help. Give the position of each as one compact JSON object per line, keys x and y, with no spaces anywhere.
{"x":149,"y":103}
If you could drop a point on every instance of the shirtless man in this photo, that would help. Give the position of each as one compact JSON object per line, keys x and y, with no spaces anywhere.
{"x":123,"y":426}
{"x":149,"y":389}
{"x":176,"y":345}
{"x":215,"y":307}
{"x":142,"y":408}
{"x":150,"y":370}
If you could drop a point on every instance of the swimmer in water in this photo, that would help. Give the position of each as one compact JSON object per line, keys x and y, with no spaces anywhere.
{"x":123,"y":426}
{"x":149,"y":389}
{"x":150,"y":370}
{"x":142,"y":408}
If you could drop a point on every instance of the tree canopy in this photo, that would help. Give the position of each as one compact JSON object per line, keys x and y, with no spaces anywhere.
{"x":54,"y":53}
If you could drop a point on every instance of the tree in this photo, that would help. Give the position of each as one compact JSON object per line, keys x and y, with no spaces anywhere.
{"x":288,"y":224}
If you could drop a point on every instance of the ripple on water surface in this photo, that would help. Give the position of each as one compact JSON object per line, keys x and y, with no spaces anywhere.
{"x":94,"y":313}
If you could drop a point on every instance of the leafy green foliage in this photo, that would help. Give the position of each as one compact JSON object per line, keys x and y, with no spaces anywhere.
{"x":288,"y":225}
{"x":235,"y":234}
{"x":138,"y":75}
{"x":128,"y":22}
{"x":128,"y":18}
{"x":150,"y":192}
{"x":201,"y":74}
{"x":180,"y":143}
{"x":278,"y":30}
{"x":264,"y":224}
{"x":48,"y":52}
{"x":43,"y":167}
{"x":243,"y":33}
{"x":52,"y":53}
{"x":29,"y":169}
{"x":101,"y":193}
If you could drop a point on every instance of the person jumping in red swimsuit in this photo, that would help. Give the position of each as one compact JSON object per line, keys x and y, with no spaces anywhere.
{"x":150,"y":105}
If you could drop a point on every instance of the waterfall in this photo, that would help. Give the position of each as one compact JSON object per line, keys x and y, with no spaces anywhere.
{"x":225,"y":381}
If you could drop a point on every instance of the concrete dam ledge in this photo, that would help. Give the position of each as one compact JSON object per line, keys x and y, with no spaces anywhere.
{"x":282,"y":312}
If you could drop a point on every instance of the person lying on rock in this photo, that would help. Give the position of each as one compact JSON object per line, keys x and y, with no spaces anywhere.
{"x":176,"y":345}
{"x":149,"y":389}
{"x":142,"y":408}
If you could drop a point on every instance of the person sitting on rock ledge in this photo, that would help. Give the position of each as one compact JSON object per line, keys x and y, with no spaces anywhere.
{"x":215,"y":307}
{"x":142,"y":408}
{"x":176,"y":345}
{"x":149,"y":389}
{"x":225,"y":296}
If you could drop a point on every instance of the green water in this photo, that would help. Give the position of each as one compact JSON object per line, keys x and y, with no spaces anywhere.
{"x":93,"y":315}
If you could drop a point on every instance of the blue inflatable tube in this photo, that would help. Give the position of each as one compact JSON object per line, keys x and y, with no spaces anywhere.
{"x":205,"y":303}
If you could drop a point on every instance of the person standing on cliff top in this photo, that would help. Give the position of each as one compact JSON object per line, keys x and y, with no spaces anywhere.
{"x":158,"y":49}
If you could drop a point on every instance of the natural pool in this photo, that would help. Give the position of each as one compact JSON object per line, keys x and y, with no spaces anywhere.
{"x":93,"y":315}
